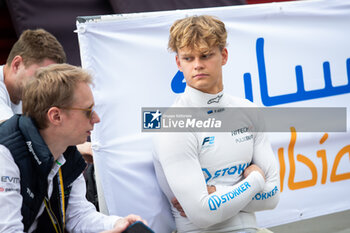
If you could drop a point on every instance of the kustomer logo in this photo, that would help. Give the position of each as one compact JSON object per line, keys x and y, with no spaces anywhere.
{"x":152,"y":119}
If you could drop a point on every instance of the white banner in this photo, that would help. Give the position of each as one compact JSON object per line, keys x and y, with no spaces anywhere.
{"x":292,"y":54}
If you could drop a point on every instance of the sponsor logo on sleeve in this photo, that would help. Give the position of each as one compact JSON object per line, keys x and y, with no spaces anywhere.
{"x":215,"y":201}
{"x":10,"y":179}
{"x":263,"y":196}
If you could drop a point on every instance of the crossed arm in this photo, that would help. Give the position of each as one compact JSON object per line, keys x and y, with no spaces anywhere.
{"x":182,"y":170}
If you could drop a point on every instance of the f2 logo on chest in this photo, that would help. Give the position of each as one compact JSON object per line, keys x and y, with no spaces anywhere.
{"x":209,"y":140}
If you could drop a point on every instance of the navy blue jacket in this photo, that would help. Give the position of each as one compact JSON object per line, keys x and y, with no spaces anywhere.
{"x":34,"y":160}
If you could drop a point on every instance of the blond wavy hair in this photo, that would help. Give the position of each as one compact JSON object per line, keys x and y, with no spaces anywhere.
{"x":199,"y":33}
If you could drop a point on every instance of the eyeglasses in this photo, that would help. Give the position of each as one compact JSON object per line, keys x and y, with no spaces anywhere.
{"x":88,"y":111}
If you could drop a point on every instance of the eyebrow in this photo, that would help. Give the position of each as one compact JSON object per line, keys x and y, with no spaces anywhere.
{"x":200,"y":54}
{"x":185,"y":55}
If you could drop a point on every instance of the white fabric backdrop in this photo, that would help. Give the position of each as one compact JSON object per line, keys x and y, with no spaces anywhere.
{"x":132,"y":68}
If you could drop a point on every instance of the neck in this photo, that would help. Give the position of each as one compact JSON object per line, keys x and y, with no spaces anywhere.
{"x":216,"y":90}
{"x":56,"y":148}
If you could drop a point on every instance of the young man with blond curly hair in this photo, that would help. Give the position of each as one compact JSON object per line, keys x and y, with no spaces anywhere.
{"x":214,"y":180}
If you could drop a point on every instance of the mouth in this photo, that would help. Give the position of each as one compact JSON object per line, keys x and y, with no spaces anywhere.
{"x":198,"y":76}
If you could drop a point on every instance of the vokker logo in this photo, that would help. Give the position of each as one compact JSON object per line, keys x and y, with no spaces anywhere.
{"x":152,"y":119}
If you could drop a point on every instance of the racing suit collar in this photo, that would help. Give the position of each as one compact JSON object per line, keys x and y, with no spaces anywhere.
{"x":202,"y":99}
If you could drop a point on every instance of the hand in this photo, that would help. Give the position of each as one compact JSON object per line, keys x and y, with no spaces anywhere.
{"x":252,"y":168}
{"x":177,"y":205}
{"x":211,"y":189}
{"x":121,"y":224}
{"x":86,"y":151}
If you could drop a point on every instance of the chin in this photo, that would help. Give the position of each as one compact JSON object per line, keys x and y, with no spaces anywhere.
{"x":82,"y":141}
{"x":79,"y":142}
{"x":202,"y":88}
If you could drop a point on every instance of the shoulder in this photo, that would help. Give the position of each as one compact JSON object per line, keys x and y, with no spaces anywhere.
{"x":168,"y":144}
{"x":239,"y":102}
{"x":5,"y":103}
{"x":3,"y":89}
{"x":182,"y":100}
{"x":8,"y":127}
{"x":248,"y":110}
{"x":4,"y":96}
{"x":5,"y":152}
{"x":7,"y":163}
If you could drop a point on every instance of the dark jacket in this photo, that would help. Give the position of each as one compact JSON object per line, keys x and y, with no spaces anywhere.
{"x":34,"y":160}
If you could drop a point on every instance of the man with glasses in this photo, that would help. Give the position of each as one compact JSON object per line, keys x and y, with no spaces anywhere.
{"x":42,"y":188}
{"x":34,"y":49}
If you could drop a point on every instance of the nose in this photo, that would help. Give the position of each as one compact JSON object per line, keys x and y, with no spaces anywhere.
{"x":198,"y":64}
{"x":95,"y":118}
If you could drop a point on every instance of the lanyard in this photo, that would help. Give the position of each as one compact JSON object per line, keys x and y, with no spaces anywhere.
{"x":52,"y":216}
{"x":61,"y":190}
{"x":62,"y":202}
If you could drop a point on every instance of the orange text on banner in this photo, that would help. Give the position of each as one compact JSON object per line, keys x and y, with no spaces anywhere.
{"x":292,"y":185}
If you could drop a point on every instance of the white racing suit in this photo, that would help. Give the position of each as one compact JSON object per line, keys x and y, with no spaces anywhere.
{"x":187,"y":162}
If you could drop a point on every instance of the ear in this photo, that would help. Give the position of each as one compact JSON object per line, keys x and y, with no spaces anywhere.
{"x":16,"y":63}
{"x":54,"y":116}
{"x":178,"y":62}
{"x":224,"y":54}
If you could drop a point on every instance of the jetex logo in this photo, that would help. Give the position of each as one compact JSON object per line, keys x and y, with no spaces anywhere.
{"x":152,"y":119}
